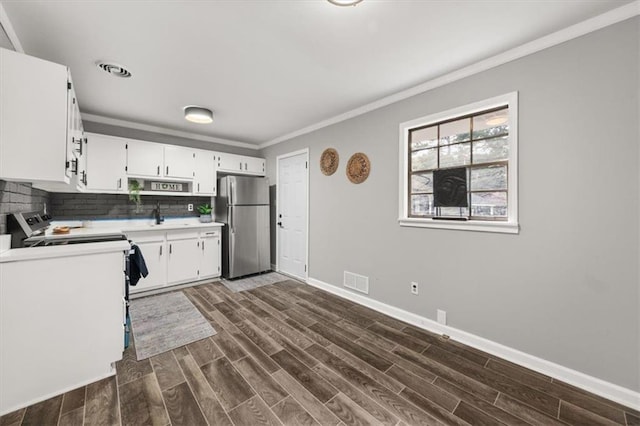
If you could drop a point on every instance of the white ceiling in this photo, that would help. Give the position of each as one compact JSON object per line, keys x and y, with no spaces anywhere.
{"x":268,"y":68}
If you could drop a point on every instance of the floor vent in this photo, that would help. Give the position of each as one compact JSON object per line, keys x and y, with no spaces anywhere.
{"x":356,"y":282}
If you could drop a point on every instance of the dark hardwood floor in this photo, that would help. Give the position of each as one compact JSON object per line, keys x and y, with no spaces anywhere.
{"x":295,"y":355}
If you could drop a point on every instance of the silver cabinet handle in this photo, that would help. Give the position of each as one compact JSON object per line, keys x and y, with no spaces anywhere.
{"x":203,"y":246}
{"x":158,"y":170}
{"x":198,"y":187}
{"x":119,"y":183}
{"x":160,"y":250}
{"x":170,"y":249}
{"x":241,"y":165}
{"x":245,"y":166}
{"x":167,"y":169}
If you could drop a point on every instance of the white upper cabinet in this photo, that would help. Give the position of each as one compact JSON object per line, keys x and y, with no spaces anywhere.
{"x":34,"y":109}
{"x":106,"y":163}
{"x":149,"y":159}
{"x":253,"y":165}
{"x":145,"y":158}
{"x":178,"y":162}
{"x":204,"y":179}
{"x":240,"y":164}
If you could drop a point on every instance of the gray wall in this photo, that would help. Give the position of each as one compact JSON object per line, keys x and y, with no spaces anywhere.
{"x":114,"y":206}
{"x":123,"y":132}
{"x":566,"y":288}
{"x":19,"y":197}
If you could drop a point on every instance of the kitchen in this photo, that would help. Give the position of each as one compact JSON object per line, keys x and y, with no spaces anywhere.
{"x":118,"y":158}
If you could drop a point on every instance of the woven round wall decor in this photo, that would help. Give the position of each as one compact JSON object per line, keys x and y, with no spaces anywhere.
{"x":329,"y":161}
{"x":358,"y":168}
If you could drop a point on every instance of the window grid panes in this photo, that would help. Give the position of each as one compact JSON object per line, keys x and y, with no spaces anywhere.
{"x":478,"y":142}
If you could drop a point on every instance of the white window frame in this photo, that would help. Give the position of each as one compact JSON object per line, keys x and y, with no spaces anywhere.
{"x":511,"y":226}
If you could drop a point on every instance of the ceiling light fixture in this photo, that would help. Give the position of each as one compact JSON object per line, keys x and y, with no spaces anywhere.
{"x":198,"y":114}
{"x":344,"y":2}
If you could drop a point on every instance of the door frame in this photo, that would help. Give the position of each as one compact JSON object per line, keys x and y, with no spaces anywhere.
{"x":278,"y":159}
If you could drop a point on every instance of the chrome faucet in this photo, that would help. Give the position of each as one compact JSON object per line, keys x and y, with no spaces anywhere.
{"x":156,"y":214}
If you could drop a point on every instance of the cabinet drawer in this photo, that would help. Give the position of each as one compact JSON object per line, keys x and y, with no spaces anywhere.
{"x":181,"y":235}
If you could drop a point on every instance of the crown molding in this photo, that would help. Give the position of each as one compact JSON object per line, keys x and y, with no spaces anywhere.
{"x":585,"y":27}
{"x":8,"y":29}
{"x":163,"y":130}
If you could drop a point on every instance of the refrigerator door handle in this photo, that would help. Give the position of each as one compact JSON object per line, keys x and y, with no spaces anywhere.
{"x":230,"y":219}
{"x":231,"y":192}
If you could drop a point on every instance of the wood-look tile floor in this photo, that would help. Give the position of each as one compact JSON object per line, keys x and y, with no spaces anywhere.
{"x":295,"y":355}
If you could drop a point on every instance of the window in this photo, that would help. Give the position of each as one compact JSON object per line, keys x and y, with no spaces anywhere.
{"x":471,"y":150}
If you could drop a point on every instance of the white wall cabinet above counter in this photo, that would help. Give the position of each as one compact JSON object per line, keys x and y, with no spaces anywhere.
{"x":241,"y":164}
{"x":41,"y":132}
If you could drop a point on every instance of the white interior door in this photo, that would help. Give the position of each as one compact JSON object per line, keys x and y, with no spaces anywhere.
{"x":292,"y":206}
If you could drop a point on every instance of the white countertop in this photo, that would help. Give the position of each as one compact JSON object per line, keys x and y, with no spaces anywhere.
{"x":31,"y":253}
{"x":139,"y":225}
{"x":98,"y":228}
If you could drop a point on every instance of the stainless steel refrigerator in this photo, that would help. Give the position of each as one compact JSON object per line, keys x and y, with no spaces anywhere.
{"x":242,"y":205}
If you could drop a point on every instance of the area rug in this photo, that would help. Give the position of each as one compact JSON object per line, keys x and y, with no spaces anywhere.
{"x":255,"y":281}
{"x":164,"y":322}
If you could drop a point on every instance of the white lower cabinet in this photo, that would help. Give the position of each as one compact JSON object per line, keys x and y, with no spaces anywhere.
{"x":184,"y":258}
{"x":210,"y":258}
{"x":176,"y":257}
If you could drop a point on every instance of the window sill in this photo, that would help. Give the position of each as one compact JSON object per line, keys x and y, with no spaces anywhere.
{"x":470,"y":225}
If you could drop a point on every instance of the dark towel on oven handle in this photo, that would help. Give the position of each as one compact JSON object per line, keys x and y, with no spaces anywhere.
{"x":137,"y":265}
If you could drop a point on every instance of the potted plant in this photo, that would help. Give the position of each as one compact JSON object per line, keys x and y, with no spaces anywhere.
{"x":134,"y":194}
{"x":205,"y":213}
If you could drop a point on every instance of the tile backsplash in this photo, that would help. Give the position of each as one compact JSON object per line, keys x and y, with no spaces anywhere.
{"x":19,"y":197}
{"x":66,"y":206}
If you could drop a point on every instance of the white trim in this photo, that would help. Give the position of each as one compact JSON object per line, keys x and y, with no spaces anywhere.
{"x":592,"y":384}
{"x":585,"y":27}
{"x":304,"y":151}
{"x":8,"y":29}
{"x":163,"y":130}
{"x":511,"y":226}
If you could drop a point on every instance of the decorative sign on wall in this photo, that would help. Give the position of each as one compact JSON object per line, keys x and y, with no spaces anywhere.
{"x":166,"y":186}
{"x":329,"y":161}
{"x":358,"y":168}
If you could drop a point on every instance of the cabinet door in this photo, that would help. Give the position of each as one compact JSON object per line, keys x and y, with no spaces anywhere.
{"x":106,"y":162}
{"x":254,"y":165}
{"x":155,"y":257}
{"x":178,"y":162}
{"x":184,"y":260}
{"x":144,"y":158}
{"x":33,"y":119}
{"x":230,"y":163}
{"x":205,"y":173}
{"x":210,"y":261}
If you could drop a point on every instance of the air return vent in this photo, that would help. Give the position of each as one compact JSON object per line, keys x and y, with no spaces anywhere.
{"x":356,"y":282}
{"x":113,"y":69}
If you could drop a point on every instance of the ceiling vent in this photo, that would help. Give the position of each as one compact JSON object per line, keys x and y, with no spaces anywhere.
{"x":114,"y":69}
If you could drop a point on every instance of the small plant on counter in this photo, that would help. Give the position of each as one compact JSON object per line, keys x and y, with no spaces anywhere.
{"x":205,"y":213}
{"x":134,"y":194}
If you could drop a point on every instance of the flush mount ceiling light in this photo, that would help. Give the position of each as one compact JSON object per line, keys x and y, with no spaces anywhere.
{"x":344,"y":2}
{"x":113,"y":69}
{"x":198,"y":114}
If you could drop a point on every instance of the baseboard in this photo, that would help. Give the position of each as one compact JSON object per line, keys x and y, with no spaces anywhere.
{"x":591,"y":384}
{"x":11,"y":409}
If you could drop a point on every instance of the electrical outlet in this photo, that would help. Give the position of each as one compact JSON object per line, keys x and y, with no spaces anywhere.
{"x":442,"y":317}
{"x":414,"y":288}
{"x":190,"y":207}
